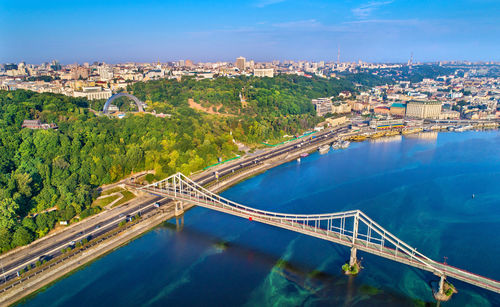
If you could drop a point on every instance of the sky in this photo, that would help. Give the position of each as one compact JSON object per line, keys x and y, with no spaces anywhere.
{"x":145,"y":31}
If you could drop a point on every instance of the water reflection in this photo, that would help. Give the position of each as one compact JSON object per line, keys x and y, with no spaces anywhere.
{"x":426,"y":136}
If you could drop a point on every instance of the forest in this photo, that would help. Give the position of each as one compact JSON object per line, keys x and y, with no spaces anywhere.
{"x":51,"y":175}
{"x":42,"y":170}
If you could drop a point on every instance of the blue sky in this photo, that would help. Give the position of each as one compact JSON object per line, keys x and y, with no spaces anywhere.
{"x":375,"y":31}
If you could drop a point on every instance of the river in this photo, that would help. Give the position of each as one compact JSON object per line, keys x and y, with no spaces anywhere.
{"x":418,"y":187}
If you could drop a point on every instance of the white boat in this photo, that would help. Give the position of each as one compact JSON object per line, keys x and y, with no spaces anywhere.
{"x":345,"y":144}
{"x":324,"y":149}
{"x":336,"y":145}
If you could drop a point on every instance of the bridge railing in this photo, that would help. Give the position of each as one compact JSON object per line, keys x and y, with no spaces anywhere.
{"x":353,"y":226}
{"x":399,"y":248}
{"x":179,"y":183}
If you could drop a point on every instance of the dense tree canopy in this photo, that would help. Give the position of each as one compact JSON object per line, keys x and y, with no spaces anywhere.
{"x":43,"y":169}
{"x":281,"y":95}
{"x":48,"y":176}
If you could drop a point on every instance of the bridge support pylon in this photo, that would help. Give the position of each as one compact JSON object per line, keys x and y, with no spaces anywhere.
{"x":445,"y":290}
{"x":353,"y":260}
{"x":179,"y":208}
{"x":353,"y":267}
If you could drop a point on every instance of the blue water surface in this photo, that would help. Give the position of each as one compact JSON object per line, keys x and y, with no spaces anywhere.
{"x":418,"y":187}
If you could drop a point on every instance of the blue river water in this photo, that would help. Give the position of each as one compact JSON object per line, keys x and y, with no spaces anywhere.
{"x":418,"y":187}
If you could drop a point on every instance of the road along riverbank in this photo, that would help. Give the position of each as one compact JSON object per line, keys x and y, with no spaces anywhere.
{"x":218,"y":185}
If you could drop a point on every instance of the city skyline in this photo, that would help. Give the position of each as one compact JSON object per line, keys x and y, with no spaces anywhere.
{"x":264,"y":30}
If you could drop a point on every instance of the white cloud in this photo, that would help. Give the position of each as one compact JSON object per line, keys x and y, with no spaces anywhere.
{"x":385,"y":21}
{"x":365,"y":10}
{"x":308,"y":23}
{"x":264,"y":3}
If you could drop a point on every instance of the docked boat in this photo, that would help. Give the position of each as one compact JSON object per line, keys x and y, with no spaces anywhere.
{"x":392,"y":133}
{"x":345,"y":144}
{"x":304,"y":155}
{"x":336,"y":145}
{"x":377,"y":134}
{"x":411,"y":130}
{"x":358,"y":138}
{"x":324,"y":149}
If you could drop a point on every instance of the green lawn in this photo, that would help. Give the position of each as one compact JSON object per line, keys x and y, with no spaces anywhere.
{"x":127,"y":195}
{"x":103,"y":202}
{"x":111,"y":191}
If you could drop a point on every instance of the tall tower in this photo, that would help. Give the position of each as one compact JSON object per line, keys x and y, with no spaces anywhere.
{"x":410,"y":61}
{"x":240,"y":63}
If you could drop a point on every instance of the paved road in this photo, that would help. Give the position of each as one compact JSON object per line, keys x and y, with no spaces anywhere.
{"x":92,"y":228}
{"x":101,"y":223}
{"x":289,"y":147}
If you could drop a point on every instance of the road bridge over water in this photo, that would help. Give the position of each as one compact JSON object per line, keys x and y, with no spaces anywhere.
{"x":353,"y":229}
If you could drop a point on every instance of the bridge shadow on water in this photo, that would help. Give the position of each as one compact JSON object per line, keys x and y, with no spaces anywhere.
{"x":324,"y":287}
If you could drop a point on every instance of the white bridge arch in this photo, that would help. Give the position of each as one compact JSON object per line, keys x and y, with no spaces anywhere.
{"x":349,"y":228}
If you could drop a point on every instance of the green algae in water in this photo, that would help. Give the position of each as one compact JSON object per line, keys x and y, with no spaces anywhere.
{"x":369,"y":290}
{"x":222,"y":246}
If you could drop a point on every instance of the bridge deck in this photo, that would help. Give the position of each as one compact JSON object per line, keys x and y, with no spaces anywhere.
{"x":376,"y":241}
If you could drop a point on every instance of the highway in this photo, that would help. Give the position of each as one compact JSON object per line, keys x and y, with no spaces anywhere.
{"x":289,"y":147}
{"x":51,"y":248}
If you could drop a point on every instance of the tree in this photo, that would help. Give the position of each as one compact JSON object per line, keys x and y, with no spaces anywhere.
{"x":29,"y":224}
{"x":5,"y":239}
{"x":8,"y":212}
{"x":21,"y":237}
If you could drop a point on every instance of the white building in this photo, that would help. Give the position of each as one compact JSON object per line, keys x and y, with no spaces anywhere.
{"x":263,"y":72}
{"x":423,"y":109}
{"x":93,"y":92}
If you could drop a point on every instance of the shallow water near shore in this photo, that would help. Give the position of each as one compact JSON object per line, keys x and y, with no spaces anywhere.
{"x":418,"y":187}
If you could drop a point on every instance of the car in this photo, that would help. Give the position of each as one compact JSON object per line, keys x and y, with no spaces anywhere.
{"x":72,"y":243}
{"x":121,"y":215}
{"x":98,"y":226}
{"x":157,"y":204}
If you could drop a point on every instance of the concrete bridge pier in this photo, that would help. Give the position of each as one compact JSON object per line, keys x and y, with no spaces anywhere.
{"x":179,"y":223}
{"x":353,"y":260}
{"x":445,"y":291}
{"x":354,"y":266}
{"x":179,"y":208}
{"x":441,"y":284}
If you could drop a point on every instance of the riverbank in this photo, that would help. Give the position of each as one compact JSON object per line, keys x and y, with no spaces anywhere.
{"x":65,"y":265}
{"x":385,"y":180}
{"x":222,"y":184}
{"x":19,"y":290}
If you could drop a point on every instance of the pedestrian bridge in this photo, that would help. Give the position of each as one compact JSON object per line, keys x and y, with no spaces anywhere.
{"x":350,"y":228}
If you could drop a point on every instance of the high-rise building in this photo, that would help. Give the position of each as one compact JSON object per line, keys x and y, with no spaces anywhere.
{"x":80,"y":72}
{"x":423,"y":109}
{"x":240,"y":63}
